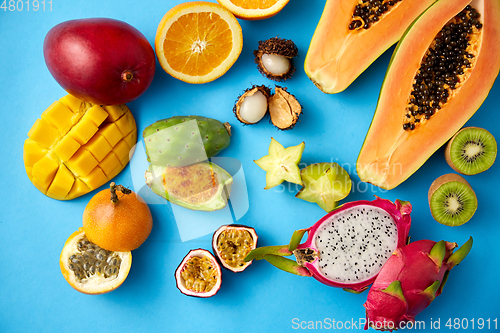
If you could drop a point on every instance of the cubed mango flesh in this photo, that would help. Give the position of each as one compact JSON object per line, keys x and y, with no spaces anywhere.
{"x":96,"y":114}
{"x":83,"y":131}
{"x":79,"y":188}
{"x":95,"y":179}
{"x":62,"y":183}
{"x":66,"y":148}
{"x":109,"y":164}
{"x":98,"y":146}
{"x":122,"y":150}
{"x":59,"y":116}
{"x":126,"y":124}
{"x":43,"y":133}
{"x":115,"y":111}
{"x":82,"y":162}
{"x":44,"y":170}
{"x":77,"y":147}
{"x":111,"y":133}
{"x":131,"y":139}
{"x":32,"y":153}
{"x":71,"y":102}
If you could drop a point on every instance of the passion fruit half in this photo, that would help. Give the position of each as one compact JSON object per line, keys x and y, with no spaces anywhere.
{"x":199,"y":274}
{"x":232,"y":243}
{"x":91,"y":269}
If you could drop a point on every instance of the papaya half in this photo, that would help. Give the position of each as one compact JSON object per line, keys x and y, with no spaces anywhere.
{"x":352,"y":34}
{"x":440,"y":73}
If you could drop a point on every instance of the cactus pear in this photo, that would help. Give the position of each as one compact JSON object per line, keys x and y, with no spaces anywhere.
{"x":201,"y":186}
{"x":184,"y":140}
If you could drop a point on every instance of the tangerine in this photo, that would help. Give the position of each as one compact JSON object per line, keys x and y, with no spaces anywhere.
{"x":117,"y":219}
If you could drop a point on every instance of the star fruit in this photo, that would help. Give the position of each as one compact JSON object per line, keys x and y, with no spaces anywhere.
{"x":324,"y":184}
{"x":281,"y":164}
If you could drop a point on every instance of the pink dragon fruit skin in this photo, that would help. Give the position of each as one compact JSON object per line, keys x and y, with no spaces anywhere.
{"x":409,"y":281}
{"x":399,"y":211}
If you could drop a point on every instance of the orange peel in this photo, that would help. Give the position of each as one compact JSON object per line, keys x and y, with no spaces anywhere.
{"x":197,"y":42}
{"x":254,"y":9}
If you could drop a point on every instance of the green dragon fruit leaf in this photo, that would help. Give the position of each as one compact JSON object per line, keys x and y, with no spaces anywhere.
{"x":260,"y":252}
{"x":459,"y":255}
{"x":287,"y":265}
{"x":438,"y":253}
{"x":445,"y":278}
{"x":296,"y":238}
{"x":431,"y":290}
{"x":355,"y":291}
{"x":394,"y":289}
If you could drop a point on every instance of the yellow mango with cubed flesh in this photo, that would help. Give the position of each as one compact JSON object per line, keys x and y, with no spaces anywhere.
{"x":76,"y":147}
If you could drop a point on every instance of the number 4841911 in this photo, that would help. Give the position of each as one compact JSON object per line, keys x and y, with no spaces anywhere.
{"x":20,"y":5}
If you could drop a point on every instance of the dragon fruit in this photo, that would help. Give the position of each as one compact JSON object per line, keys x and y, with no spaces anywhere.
{"x":347,"y":247}
{"x":410,"y":280}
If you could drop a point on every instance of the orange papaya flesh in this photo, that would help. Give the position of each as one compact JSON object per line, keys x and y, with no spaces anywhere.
{"x":337,"y":55}
{"x":76,"y":147}
{"x":390,"y":154}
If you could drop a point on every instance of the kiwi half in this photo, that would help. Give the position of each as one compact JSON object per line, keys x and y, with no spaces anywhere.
{"x":452,"y":200}
{"x":471,"y":151}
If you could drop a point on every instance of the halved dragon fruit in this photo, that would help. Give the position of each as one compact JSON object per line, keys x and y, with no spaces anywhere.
{"x":347,"y":247}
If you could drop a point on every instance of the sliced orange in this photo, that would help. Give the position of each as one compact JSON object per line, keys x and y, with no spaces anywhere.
{"x":254,"y":9}
{"x":197,"y":42}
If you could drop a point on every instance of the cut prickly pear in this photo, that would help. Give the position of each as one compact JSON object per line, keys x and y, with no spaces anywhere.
{"x":181,"y":141}
{"x":201,"y":186}
{"x":281,"y":164}
{"x":324,"y":184}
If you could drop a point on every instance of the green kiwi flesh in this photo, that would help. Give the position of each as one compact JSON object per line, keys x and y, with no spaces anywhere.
{"x":452,"y":200}
{"x":471,"y":151}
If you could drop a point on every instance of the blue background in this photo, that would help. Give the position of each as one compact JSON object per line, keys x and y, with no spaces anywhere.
{"x":34,"y":297}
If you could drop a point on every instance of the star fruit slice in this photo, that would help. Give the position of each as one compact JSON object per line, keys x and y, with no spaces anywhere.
{"x":324,"y":184}
{"x":281,"y":164}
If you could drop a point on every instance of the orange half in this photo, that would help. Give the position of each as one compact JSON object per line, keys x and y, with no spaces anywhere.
{"x":197,"y":42}
{"x":254,"y":9}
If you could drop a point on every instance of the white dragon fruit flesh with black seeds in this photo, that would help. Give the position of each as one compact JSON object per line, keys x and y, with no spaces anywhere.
{"x":348,"y":247}
{"x":353,"y":246}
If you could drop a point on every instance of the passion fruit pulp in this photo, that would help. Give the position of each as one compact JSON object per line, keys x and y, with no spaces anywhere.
{"x":91,"y":269}
{"x":232,"y":243}
{"x":199,"y":274}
